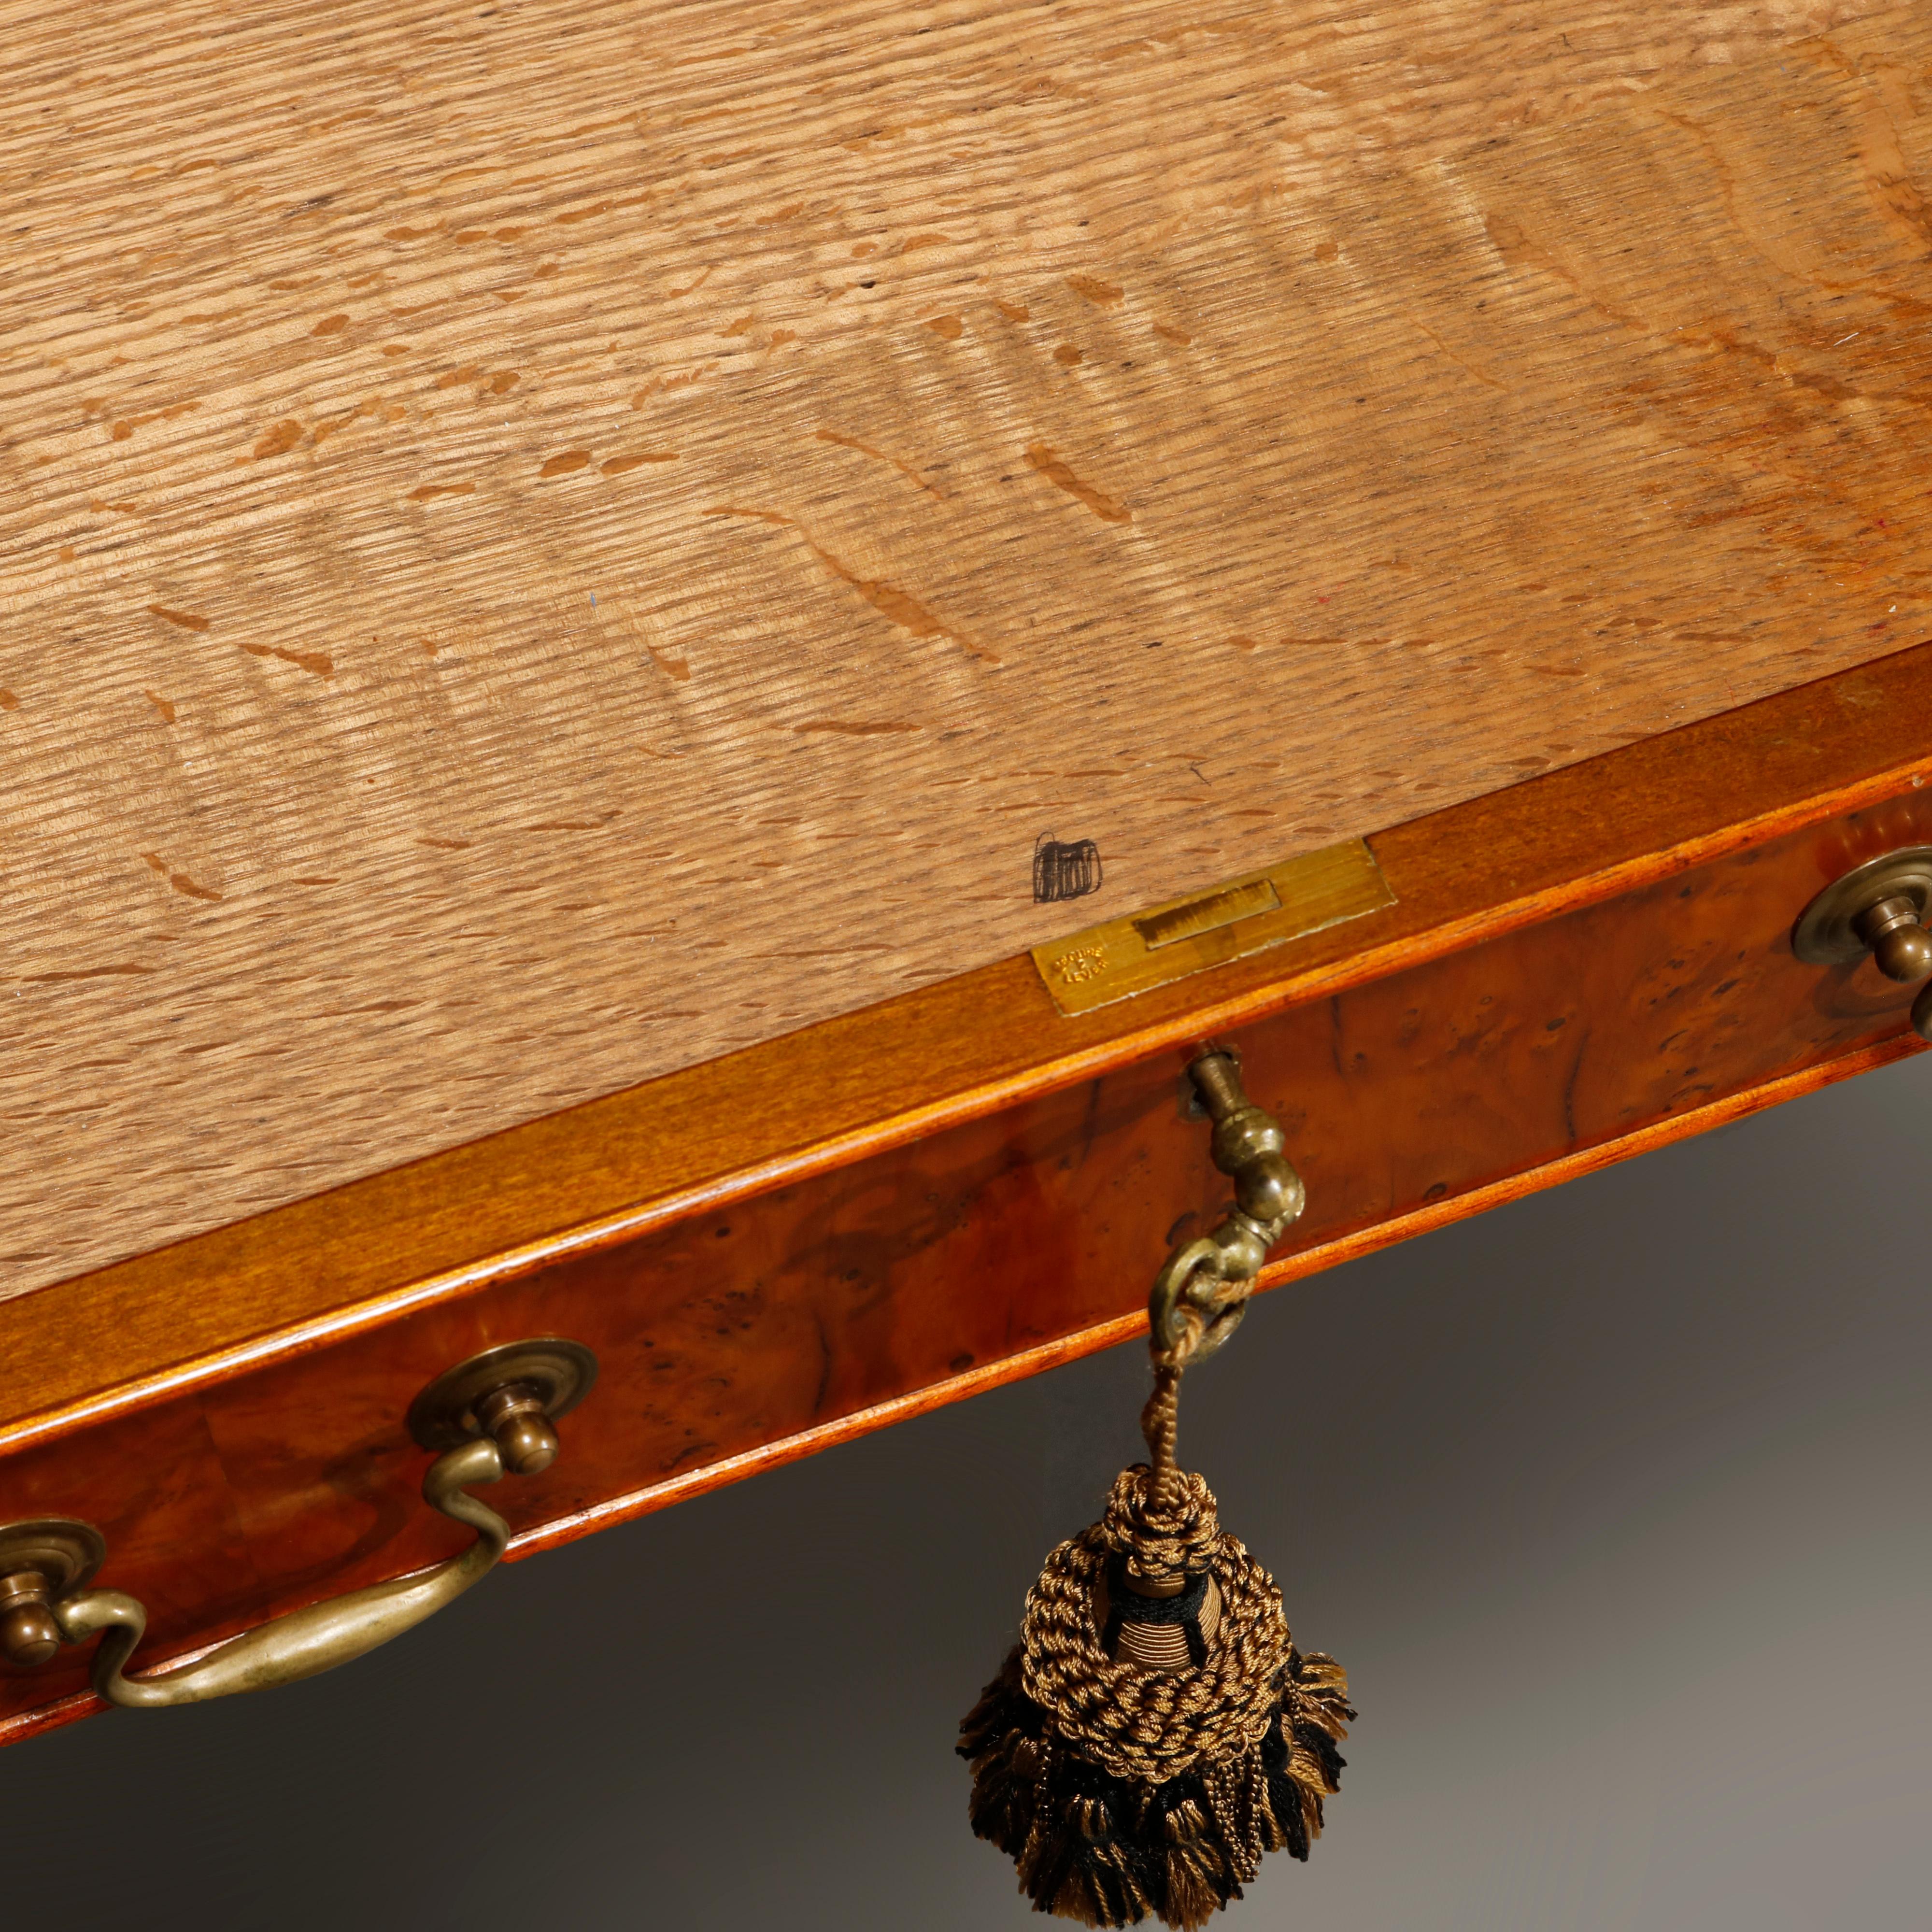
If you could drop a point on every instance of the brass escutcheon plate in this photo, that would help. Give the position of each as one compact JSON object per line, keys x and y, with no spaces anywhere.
{"x":66,"y":1553}
{"x":1823,"y":935}
{"x":1165,"y":942}
{"x":562,"y":1373}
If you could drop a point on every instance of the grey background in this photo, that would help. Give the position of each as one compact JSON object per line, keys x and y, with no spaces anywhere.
{"x":1612,"y":1502}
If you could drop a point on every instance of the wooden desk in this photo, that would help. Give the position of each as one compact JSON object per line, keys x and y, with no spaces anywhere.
{"x":559,"y":562}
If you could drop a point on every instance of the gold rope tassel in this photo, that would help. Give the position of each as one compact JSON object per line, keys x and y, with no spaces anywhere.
{"x":1155,"y":1732}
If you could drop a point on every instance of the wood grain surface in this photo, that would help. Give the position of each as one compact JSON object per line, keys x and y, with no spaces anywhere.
{"x":753,"y":1330}
{"x":542,"y":544}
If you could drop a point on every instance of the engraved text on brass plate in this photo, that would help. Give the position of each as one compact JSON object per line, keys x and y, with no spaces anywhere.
{"x":1131,"y":955}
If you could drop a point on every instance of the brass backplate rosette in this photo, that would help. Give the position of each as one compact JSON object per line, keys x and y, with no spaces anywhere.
{"x":560,"y":1373}
{"x":1825,"y":934}
{"x":67,"y":1553}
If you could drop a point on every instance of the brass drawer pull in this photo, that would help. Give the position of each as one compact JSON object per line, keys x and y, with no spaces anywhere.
{"x":490,"y":1416}
{"x":1879,"y":907}
{"x":1202,"y":1293}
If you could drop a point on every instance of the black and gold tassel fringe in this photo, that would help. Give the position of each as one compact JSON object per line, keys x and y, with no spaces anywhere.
{"x":1103,"y":1850}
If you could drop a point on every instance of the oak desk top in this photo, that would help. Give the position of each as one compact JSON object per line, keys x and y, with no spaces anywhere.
{"x":540,"y":545}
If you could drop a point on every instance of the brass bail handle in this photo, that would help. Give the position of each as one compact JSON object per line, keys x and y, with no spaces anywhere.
{"x":490,"y":1416}
{"x":1879,"y":908}
{"x":1202,"y":1293}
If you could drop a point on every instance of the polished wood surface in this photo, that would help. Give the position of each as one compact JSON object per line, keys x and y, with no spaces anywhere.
{"x":1556,"y":988}
{"x":544,"y":544}
{"x":860,"y":1085}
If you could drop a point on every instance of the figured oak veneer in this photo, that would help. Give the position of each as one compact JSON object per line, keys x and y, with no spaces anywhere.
{"x":542,"y":544}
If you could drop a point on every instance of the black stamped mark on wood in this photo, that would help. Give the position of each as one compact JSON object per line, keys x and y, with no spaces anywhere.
{"x":1064,"y":872}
